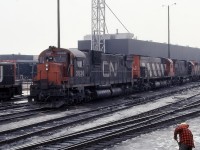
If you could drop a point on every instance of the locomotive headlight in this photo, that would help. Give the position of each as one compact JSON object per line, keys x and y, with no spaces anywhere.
{"x":47,"y":67}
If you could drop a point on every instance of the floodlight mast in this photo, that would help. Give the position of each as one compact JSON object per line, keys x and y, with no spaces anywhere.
{"x":98,"y":25}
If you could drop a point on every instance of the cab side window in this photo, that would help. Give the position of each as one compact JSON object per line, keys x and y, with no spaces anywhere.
{"x":79,"y":63}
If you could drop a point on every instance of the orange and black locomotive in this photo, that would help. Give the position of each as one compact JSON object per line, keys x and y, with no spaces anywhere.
{"x":66,"y":76}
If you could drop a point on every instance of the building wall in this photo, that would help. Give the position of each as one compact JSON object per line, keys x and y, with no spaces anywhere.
{"x":16,"y":57}
{"x":146,"y":48}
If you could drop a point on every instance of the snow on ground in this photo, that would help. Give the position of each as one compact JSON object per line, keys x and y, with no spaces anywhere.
{"x":159,"y":140}
{"x":118,"y":115}
{"x":21,"y":102}
{"x":42,"y":118}
{"x":129,"y":112}
{"x":26,"y":92}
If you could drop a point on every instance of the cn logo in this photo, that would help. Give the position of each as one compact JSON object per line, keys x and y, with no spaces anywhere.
{"x":1,"y":73}
{"x":109,"y":68}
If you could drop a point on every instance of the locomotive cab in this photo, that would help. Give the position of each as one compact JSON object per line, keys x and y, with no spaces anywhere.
{"x":59,"y":66}
{"x":57,"y":71}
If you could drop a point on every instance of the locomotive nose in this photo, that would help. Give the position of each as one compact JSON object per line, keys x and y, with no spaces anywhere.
{"x":51,"y":72}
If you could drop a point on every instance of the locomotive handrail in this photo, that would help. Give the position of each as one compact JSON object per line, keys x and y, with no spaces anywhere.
{"x":98,"y":79}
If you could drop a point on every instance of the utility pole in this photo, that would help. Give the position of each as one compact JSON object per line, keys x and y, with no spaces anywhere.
{"x":98,"y":25}
{"x":58,"y":17}
{"x":168,"y":33}
{"x":168,"y":12}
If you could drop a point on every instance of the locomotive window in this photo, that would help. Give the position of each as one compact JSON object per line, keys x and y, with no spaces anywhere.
{"x":50,"y":59}
{"x":60,"y":59}
{"x":80,"y":63}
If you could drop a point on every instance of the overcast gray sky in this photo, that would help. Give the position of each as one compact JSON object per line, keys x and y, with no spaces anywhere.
{"x":30,"y":26}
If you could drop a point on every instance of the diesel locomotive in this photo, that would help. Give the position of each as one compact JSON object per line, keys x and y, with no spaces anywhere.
{"x":8,"y":86}
{"x":71,"y":76}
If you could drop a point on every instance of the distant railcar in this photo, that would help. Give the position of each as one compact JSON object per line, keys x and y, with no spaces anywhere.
{"x":8,"y":85}
{"x":71,"y":76}
{"x":25,"y":71}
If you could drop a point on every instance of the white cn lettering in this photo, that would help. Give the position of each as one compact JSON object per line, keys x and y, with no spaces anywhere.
{"x":113,"y":69}
{"x":105,"y":73}
{"x":110,"y":68}
{"x":1,"y":73}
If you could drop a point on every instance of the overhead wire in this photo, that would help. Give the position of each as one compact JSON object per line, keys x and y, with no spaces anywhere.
{"x":117,"y":18}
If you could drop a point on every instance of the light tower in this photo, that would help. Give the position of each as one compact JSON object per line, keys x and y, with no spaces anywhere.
{"x":98,"y":25}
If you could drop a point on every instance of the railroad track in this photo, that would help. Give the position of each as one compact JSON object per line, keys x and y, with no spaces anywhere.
{"x":13,"y":99}
{"x":19,"y":133}
{"x":97,"y":137}
{"x":15,"y":135}
{"x":15,"y":111}
{"x":15,"y":102}
{"x":12,"y":106}
{"x":38,"y":129}
{"x":21,"y":114}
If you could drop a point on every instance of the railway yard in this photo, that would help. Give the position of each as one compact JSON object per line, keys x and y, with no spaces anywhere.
{"x":102,"y":124}
{"x":112,"y":91}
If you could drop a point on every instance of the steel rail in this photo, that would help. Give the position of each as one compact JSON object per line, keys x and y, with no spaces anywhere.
{"x":129,"y":121}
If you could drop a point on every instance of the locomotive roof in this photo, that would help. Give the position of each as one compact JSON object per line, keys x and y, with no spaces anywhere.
{"x":75,"y":52}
